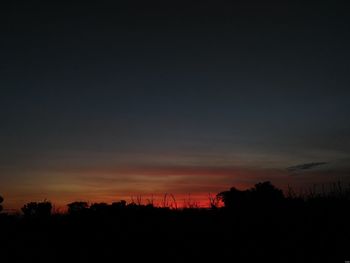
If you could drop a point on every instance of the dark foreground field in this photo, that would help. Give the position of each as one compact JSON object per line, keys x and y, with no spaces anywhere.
{"x":314,"y":229}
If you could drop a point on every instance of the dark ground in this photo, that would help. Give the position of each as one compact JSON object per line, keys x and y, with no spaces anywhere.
{"x":316,"y":230}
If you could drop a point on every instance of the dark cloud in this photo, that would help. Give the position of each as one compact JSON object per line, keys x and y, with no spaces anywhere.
{"x":305,"y":166}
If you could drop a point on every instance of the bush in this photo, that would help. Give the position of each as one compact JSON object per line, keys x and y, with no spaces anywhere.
{"x":261,"y":195}
{"x":1,"y":200}
{"x":77,"y":207}
{"x":34,"y":209}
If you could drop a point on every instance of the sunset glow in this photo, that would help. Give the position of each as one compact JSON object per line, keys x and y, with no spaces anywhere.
{"x":101,"y":104}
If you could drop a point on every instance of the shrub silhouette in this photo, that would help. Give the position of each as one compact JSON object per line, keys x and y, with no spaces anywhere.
{"x":34,"y":209}
{"x":1,"y":200}
{"x":77,"y":207}
{"x":266,"y":193}
{"x":100,"y":208}
{"x":119,"y":205}
{"x":233,"y":197}
{"x":262,"y":194}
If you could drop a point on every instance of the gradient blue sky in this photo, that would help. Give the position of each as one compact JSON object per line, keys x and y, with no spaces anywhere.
{"x":102,"y":102}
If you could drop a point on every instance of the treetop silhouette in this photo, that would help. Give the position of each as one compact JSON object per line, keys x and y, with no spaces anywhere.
{"x":34,"y":209}
{"x":262,"y":194}
{"x":1,"y":200}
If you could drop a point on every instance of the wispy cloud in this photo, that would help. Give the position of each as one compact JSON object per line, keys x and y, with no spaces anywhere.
{"x":305,"y":166}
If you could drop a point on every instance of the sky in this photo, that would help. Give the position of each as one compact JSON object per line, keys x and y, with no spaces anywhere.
{"x":102,"y":102}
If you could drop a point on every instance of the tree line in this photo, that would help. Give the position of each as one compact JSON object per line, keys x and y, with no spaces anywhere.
{"x":263,"y":195}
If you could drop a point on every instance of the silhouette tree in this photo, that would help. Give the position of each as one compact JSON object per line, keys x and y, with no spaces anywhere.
{"x":266,"y":193}
{"x":233,"y":198}
{"x":100,"y":208}
{"x":213,"y":201}
{"x":1,"y":200}
{"x":34,"y":209}
{"x":119,"y":205}
{"x":77,"y":207}
{"x":262,"y":194}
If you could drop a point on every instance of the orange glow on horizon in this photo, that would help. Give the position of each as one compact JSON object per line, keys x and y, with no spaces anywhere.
{"x":113,"y":184}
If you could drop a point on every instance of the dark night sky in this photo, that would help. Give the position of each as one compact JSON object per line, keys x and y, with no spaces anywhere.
{"x":101,"y":101}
